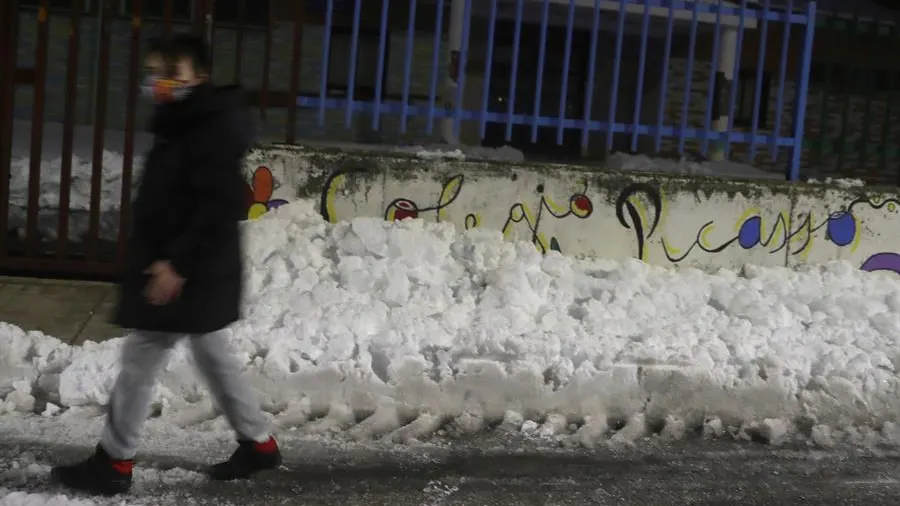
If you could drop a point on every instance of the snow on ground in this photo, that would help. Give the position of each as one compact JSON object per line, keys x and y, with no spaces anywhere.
{"x":370,"y":328}
{"x":79,"y":196}
{"x":82,"y":170}
{"x":149,"y":484}
{"x":11,"y":498}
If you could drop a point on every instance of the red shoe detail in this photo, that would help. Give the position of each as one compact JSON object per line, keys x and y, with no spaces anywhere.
{"x":123,"y":466}
{"x":269,"y":446}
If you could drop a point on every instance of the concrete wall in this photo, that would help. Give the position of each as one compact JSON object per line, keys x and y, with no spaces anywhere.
{"x":663,"y":220}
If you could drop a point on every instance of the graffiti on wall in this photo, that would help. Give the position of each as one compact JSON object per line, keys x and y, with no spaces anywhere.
{"x":404,"y":208}
{"x":258,"y":193}
{"x":335,"y":182}
{"x":889,"y":262}
{"x":640,"y":208}
{"x":578,"y":205}
{"x":529,"y":215}
{"x":633,"y":214}
{"x":796,"y":237}
{"x":841,"y":229}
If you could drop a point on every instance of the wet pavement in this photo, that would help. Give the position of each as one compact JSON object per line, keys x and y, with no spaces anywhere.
{"x":497,"y":471}
{"x":72,"y":311}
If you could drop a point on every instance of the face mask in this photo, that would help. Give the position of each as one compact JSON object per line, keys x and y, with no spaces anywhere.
{"x":162,"y":90}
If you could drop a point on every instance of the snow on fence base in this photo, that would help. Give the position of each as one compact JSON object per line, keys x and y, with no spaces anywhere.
{"x":664,"y":219}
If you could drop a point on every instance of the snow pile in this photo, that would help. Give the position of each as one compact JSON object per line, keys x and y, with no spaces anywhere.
{"x":10,"y":498}
{"x":82,"y":170}
{"x":683,"y":166}
{"x":27,"y":471}
{"x":462,"y":152}
{"x":408,"y":326}
{"x":644,"y":163}
{"x":840,"y":182}
{"x":79,"y":196}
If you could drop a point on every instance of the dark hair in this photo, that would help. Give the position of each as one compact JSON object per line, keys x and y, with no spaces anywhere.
{"x":192,"y":47}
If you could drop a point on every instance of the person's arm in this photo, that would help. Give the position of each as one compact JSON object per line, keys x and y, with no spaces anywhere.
{"x":213,"y":173}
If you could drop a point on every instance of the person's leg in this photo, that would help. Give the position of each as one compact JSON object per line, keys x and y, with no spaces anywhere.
{"x":108,"y":470}
{"x":219,"y":365}
{"x":144,"y":354}
{"x":222,"y":371}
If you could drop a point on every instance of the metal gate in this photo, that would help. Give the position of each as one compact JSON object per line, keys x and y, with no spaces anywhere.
{"x":66,"y":177}
{"x":575,"y":78}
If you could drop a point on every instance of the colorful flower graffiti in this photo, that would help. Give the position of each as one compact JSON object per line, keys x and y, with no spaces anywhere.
{"x":578,"y":205}
{"x":258,"y":193}
{"x":404,"y":208}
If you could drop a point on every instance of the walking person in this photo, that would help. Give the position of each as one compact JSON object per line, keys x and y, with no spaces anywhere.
{"x":183,"y":268}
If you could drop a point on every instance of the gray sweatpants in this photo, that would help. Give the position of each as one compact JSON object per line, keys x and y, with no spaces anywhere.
{"x":144,"y":355}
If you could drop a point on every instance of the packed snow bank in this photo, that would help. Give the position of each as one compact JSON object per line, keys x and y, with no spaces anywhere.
{"x":80,"y":192}
{"x":682,"y":166}
{"x":9,"y":498}
{"x":462,"y":152}
{"x":149,"y":480}
{"x":51,"y":148}
{"x":49,"y":200}
{"x":409,"y":325}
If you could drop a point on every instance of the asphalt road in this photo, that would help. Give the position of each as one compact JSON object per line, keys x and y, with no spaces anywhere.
{"x":506,"y":471}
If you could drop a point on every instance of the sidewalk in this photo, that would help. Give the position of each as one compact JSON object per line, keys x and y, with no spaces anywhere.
{"x":73,"y":311}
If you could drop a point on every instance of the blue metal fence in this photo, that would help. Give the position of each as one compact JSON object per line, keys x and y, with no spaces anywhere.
{"x":702,"y":19}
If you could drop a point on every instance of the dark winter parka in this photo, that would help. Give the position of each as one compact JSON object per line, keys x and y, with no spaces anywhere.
{"x":187,"y":211}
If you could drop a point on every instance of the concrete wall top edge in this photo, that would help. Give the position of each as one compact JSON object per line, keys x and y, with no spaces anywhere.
{"x":372,"y":159}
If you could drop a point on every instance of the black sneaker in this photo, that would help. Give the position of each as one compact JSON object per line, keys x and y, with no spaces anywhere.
{"x":98,"y":475}
{"x":250,"y":457}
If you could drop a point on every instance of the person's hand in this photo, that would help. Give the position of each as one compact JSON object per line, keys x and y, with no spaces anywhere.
{"x":165,"y":283}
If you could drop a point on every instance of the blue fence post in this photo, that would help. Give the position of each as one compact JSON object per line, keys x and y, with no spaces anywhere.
{"x":802,"y":92}
{"x":735,"y":78}
{"x":488,"y":67}
{"x":782,"y":77}
{"x":517,"y":41}
{"x":713,"y":76}
{"x":542,"y":54}
{"x":757,"y":90}
{"x":379,"y":77}
{"x":592,"y":74}
{"x":664,"y":86}
{"x":689,"y":77}
{"x":407,"y":64}
{"x":645,"y":35}
{"x":354,"y":54}
{"x":567,"y":59}
{"x":326,"y":52}
{"x":435,"y":60}
{"x":463,"y":60}
{"x":617,"y":69}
